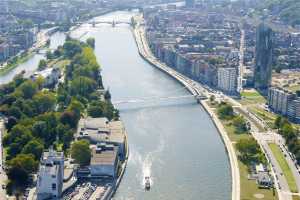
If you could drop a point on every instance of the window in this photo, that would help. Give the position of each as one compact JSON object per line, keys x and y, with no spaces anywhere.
{"x":53,"y":186}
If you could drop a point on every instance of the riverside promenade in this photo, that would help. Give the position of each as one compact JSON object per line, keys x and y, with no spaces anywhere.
{"x":196,"y":89}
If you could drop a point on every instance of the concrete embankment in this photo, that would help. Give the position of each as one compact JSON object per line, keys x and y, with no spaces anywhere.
{"x":145,"y":53}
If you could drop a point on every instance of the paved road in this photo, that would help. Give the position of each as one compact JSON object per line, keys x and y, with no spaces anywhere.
{"x":292,"y":164}
{"x":3,"y":177}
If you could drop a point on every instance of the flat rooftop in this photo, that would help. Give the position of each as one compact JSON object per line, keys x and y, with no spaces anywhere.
{"x":104,"y":157}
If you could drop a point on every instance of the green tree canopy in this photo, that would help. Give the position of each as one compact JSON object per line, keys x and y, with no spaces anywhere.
{"x":42,"y":64}
{"x":71,"y":48}
{"x":225,"y":111}
{"x":81,"y":152}
{"x":240,"y":124}
{"x":19,"y":169}
{"x":249,"y":150}
{"x":91,"y":42}
{"x":28,"y":89}
{"x":35,"y":148}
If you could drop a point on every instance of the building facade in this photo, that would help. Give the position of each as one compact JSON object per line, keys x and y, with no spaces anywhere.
{"x":263,"y":57}
{"x":294,"y":110}
{"x":50,"y":175}
{"x":279,"y":100}
{"x":104,"y":160}
{"x":227,"y":80}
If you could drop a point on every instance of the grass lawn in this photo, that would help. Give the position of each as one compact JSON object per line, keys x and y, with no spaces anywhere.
{"x":249,"y":187}
{"x":295,"y":197}
{"x":284,"y":167}
{"x":294,"y":88}
{"x":246,"y":115}
{"x":232,"y":135}
{"x":251,"y":97}
{"x":268,"y":117}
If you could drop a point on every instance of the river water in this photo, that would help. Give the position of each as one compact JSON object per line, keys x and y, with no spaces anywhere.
{"x":31,"y":64}
{"x":173,"y":142}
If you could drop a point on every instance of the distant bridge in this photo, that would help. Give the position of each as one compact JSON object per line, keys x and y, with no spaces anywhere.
{"x":113,"y":23}
{"x":149,"y":99}
{"x":43,"y":51}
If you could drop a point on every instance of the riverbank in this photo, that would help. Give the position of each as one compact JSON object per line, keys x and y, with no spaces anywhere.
{"x":145,"y":53}
{"x":18,"y":60}
{"x":42,"y":38}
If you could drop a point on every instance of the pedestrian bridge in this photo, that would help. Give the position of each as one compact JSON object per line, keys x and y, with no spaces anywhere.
{"x":153,"y":99}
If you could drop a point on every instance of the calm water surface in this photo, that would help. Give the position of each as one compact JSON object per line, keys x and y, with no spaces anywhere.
{"x":173,"y":142}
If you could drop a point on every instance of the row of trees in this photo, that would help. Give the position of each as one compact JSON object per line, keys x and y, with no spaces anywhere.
{"x":225,"y":112}
{"x":286,"y":129}
{"x":38,"y":118}
{"x":84,"y":81}
{"x":249,"y":150}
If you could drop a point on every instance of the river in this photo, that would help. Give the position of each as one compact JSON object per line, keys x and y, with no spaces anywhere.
{"x":173,"y":142}
{"x":31,"y":64}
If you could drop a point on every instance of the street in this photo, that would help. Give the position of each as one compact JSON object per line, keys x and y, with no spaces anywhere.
{"x":3,"y":177}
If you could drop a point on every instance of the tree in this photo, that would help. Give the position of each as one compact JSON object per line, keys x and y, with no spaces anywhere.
{"x":69,"y":118}
{"x":42,"y":65}
{"x":277,"y":122}
{"x":49,"y":55}
{"x":249,"y":150}
{"x":44,"y":101}
{"x":212,"y":98}
{"x":35,"y":148}
{"x":65,"y":135}
{"x":288,"y":131}
{"x":71,"y":48}
{"x":15,"y":112}
{"x":107,"y":95}
{"x":11,"y":122}
{"x":81,"y":152}
{"x":240,"y":124}
{"x":225,"y":111}
{"x":96,"y":109}
{"x":76,"y":107}
{"x":82,"y":86}
{"x":91,"y":42}
{"x":298,"y":93}
{"x":19,"y":169}
{"x":28,"y":89}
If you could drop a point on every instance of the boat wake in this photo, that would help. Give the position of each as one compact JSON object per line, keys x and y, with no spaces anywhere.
{"x":147,"y":164}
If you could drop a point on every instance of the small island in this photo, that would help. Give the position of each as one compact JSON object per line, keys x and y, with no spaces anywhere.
{"x":62,"y":129}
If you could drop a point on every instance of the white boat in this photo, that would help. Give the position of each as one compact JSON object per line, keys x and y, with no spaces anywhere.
{"x":147,"y":183}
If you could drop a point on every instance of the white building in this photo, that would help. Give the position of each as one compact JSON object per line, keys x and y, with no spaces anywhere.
{"x":50,"y":75}
{"x":50,"y":175}
{"x":227,"y":80}
{"x":104,"y":160}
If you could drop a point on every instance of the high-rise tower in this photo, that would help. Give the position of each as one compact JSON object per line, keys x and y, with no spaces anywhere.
{"x":263,"y":57}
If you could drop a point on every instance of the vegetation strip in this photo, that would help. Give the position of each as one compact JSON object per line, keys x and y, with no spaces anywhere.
{"x":284,"y":167}
{"x":40,"y":117}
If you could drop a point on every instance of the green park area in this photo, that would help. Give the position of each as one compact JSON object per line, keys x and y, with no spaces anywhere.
{"x":236,"y":129}
{"x":251,"y":97}
{"x":284,"y":167}
{"x":294,"y":88}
